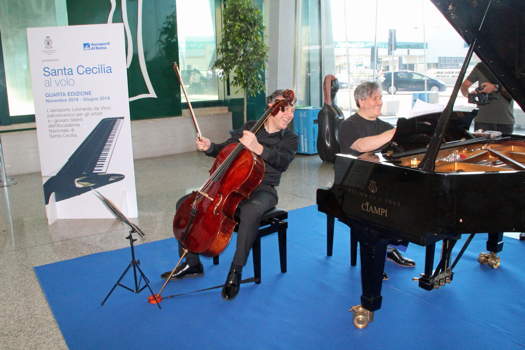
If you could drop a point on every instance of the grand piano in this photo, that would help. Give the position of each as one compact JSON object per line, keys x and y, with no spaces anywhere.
{"x":434,"y":194}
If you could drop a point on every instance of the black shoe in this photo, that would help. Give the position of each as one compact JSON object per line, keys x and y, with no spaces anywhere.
{"x":185,"y":270}
{"x":232,"y":284}
{"x":395,"y":256}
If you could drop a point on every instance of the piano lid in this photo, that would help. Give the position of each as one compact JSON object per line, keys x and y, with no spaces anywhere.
{"x":501,"y":42}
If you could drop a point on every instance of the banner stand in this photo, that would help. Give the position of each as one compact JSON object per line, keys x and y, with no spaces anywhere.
{"x":83,"y":127}
{"x":5,"y":181}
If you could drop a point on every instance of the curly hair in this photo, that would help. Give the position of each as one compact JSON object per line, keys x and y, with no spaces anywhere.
{"x":274,"y":96}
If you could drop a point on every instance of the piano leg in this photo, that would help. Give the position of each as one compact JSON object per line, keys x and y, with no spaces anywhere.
{"x":495,"y":242}
{"x":494,"y":246}
{"x":330,"y":222}
{"x":329,"y":234}
{"x":372,"y":267}
{"x":353,"y":249}
{"x":373,"y":252}
{"x":425,"y":281}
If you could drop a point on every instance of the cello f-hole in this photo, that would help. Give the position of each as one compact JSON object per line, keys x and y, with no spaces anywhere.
{"x":217,"y":205}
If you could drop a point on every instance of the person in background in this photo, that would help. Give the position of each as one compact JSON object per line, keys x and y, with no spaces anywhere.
{"x":495,"y":109}
{"x":495,"y":112}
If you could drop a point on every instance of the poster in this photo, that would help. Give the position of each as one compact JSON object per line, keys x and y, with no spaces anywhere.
{"x":80,"y":91}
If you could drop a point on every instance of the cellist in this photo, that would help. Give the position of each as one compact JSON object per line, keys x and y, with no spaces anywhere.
{"x":276,"y":144}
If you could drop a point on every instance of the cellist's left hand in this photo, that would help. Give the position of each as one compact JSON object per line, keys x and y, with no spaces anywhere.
{"x":249,"y":140}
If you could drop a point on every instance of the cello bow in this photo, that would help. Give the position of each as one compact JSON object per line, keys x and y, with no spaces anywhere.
{"x":192,"y":113}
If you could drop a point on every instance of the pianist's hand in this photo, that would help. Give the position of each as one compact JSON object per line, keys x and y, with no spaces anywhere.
{"x":203,"y":143}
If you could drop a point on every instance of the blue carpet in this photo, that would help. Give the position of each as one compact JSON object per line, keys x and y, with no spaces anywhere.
{"x":305,"y":308}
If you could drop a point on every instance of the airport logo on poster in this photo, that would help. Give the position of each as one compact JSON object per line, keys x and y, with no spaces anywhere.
{"x":95,"y":46}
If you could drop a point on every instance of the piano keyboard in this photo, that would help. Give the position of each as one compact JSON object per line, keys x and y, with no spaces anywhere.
{"x":104,"y":158}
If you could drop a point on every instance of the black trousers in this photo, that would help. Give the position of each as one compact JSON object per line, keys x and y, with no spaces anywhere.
{"x":249,"y":213}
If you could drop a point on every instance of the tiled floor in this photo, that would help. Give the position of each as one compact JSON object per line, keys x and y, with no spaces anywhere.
{"x":26,"y":240}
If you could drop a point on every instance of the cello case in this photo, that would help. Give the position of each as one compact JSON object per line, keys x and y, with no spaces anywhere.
{"x":329,"y":118}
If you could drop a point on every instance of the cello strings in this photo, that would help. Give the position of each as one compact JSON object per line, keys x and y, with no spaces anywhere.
{"x":221,"y":169}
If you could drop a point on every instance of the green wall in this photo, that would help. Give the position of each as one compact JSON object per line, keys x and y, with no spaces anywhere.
{"x":159,"y":33}
{"x":160,"y":50}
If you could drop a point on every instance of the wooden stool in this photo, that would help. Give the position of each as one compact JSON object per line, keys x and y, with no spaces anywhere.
{"x":274,"y":220}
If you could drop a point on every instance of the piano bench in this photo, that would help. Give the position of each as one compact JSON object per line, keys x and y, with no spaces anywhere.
{"x":330,"y":222}
{"x":274,"y":220}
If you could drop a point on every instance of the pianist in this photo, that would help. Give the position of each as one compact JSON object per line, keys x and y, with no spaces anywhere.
{"x":365,"y":132}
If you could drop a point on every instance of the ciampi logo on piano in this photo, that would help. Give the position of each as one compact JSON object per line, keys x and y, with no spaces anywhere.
{"x":372,"y":186}
{"x":372,"y":209}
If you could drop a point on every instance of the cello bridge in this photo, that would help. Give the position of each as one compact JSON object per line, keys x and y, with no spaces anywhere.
{"x":204,"y":194}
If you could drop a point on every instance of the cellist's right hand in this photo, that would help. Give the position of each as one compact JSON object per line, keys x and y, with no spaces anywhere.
{"x":203,"y":143}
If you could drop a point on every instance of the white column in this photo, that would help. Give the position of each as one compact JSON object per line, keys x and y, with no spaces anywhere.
{"x":281,"y":42}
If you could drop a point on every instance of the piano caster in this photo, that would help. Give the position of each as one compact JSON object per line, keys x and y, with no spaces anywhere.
{"x":361,"y":316}
{"x":490,"y":259}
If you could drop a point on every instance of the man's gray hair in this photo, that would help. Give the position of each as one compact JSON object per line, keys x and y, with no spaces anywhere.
{"x":365,"y":90}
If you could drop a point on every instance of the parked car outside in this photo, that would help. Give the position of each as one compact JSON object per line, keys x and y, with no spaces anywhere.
{"x":410,"y":81}
{"x":343,"y":84}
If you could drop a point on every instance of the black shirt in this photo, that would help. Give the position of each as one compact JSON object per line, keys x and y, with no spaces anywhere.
{"x":356,"y":127}
{"x":279,"y":150}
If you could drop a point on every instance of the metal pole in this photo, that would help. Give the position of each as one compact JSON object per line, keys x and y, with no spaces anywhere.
{"x":5,"y":181}
{"x":348,"y":72}
{"x":424,"y":24}
{"x":376,"y":50}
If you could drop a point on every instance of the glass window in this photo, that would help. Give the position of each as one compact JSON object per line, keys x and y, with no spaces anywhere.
{"x":197,"y":48}
{"x":353,"y":24}
{"x":409,"y":37}
{"x":15,"y":17}
{"x":308,"y":49}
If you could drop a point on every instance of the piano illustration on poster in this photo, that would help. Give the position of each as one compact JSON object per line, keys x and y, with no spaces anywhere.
{"x":86,"y":168}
